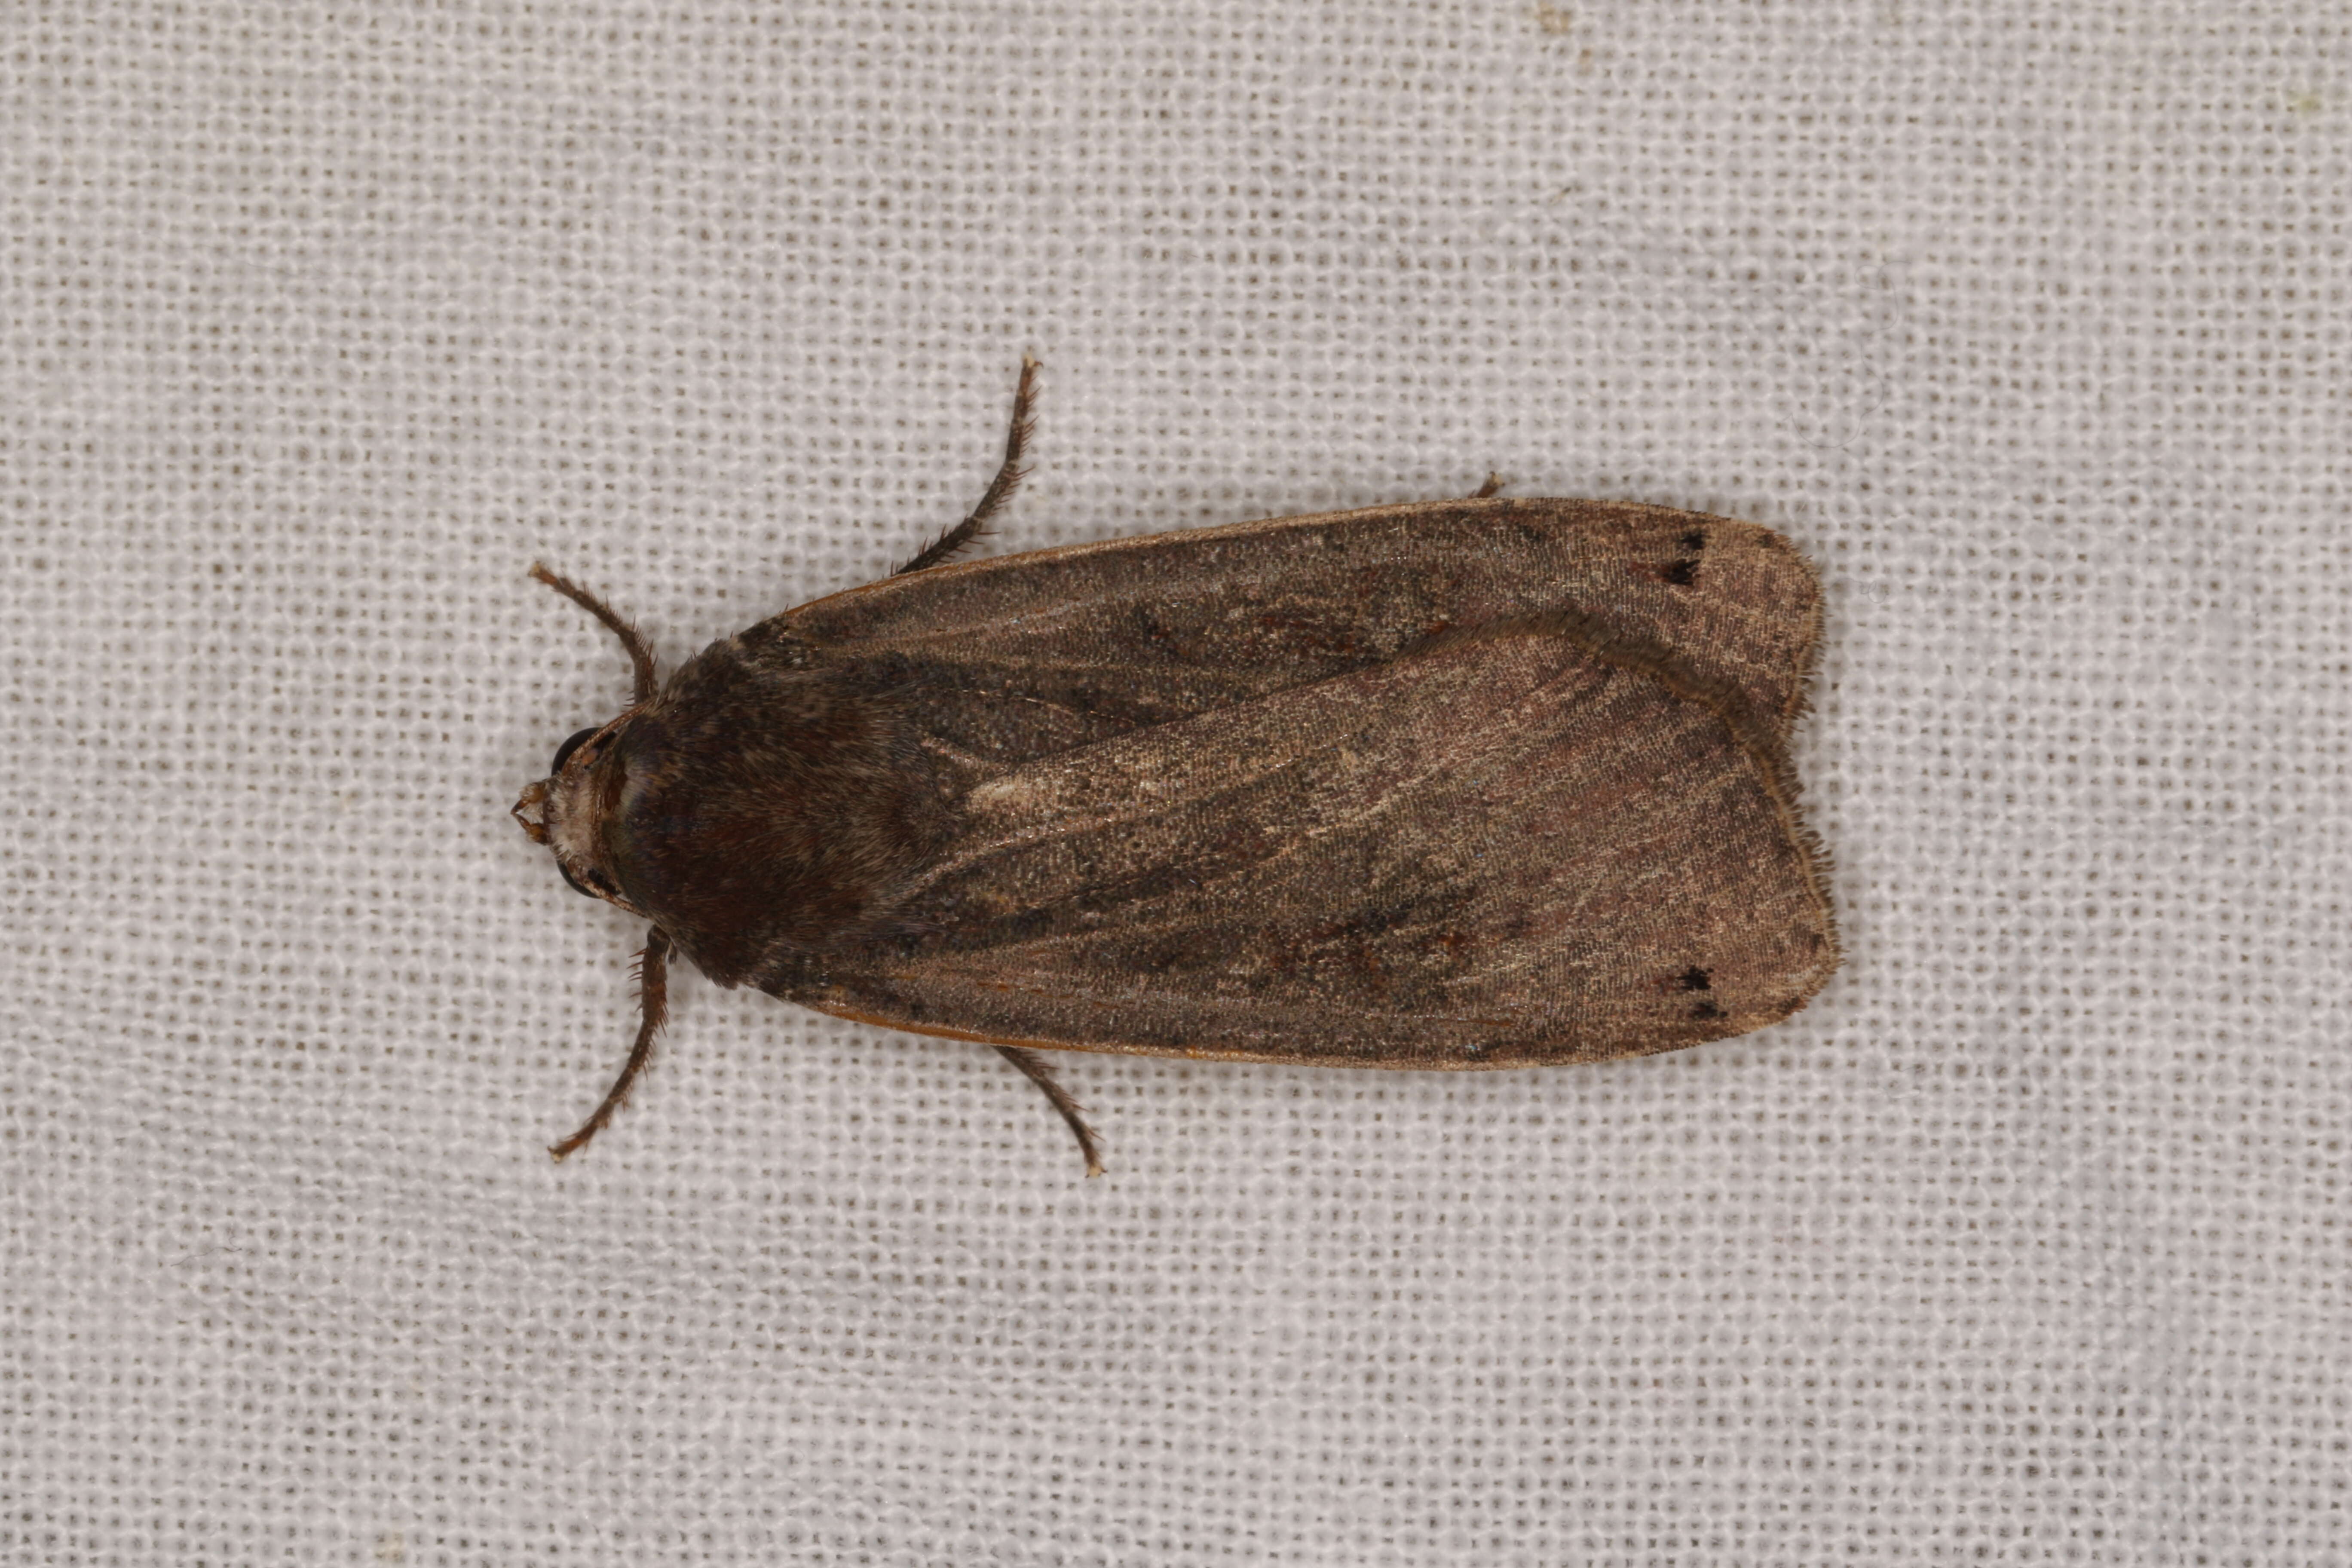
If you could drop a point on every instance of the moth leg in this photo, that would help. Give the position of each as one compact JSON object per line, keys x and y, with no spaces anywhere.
{"x":1494,"y":486}
{"x":1000,"y":489}
{"x":1042,"y":1076}
{"x":653,"y":1003}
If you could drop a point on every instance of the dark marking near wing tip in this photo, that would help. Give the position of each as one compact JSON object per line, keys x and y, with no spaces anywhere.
{"x":1682,"y":574}
{"x":1695,"y":979}
{"x":1706,"y":1010}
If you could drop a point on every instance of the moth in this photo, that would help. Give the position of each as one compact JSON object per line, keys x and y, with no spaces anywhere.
{"x":1459,"y":785}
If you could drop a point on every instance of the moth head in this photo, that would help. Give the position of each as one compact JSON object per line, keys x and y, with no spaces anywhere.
{"x":567,"y":810}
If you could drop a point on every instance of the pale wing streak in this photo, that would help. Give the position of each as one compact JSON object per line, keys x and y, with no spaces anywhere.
{"x":1143,"y":807}
{"x":1056,"y":826}
{"x":1503,"y":733}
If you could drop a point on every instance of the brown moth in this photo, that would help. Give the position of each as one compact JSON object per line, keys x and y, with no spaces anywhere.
{"x":1475,"y":784}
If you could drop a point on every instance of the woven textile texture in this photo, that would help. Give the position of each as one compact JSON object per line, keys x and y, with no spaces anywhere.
{"x":2027,"y":1242}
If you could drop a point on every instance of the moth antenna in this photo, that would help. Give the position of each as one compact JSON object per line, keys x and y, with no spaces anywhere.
{"x":1072,"y":1112}
{"x":653,"y":1003}
{"x":641,"y":654}
{"x":1000,"y":489}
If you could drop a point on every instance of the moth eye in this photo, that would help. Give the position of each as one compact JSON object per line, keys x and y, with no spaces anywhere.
{"x":598,"y":885}
{"x":568,"y":747}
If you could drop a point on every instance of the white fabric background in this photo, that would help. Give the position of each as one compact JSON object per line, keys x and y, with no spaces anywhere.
{"x":2027,"y":1242}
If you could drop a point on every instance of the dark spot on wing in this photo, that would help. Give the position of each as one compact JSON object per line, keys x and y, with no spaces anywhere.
{"x":1682,"y":574}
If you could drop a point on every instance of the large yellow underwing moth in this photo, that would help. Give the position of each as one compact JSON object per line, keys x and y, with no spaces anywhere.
{"x":1487,"y":782}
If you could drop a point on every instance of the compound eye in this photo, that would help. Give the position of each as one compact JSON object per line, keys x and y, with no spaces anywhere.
{"x":569,"y":746}
{"x":598,"y":886}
